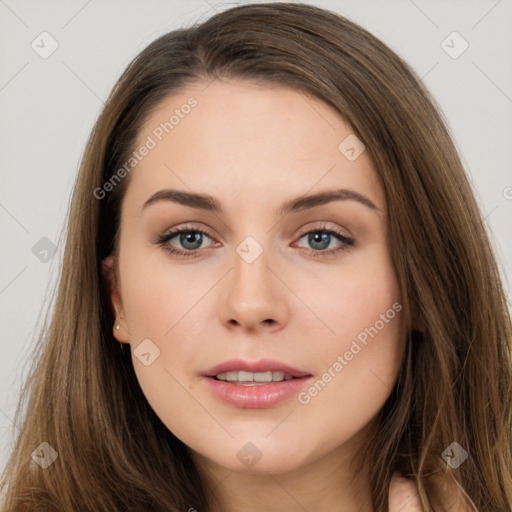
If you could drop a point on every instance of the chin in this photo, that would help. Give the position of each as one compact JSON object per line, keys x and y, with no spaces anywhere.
{"x":260,"y":457}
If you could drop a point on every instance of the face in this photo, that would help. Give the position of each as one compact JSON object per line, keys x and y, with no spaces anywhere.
{"x":282,"y":272}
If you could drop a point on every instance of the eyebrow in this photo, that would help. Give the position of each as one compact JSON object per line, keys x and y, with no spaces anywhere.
{"x":209,"y":203}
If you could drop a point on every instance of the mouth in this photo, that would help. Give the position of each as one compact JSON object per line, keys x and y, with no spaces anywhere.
{"x":255,"y":385}
{"x":264,"y":370}
{"x":243,"y":378}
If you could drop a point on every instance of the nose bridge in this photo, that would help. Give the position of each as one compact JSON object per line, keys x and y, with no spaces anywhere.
{"x":251,"y":263}
{"x":253,"y":294}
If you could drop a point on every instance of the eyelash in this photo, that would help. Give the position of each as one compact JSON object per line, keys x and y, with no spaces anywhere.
{"x":162,"y":241}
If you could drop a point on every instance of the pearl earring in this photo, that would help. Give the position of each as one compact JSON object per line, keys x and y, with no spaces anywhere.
{"x":117,"y":327}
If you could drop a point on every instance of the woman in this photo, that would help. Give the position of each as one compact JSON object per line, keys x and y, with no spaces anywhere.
{"x":277,"y":291}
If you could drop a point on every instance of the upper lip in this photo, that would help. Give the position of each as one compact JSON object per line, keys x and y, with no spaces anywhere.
{"x":263,"y":365}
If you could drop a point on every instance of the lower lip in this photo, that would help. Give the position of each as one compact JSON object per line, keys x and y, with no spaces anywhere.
{"x":259,"y":396}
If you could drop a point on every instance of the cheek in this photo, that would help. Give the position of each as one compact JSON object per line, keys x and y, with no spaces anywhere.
{"x":158,"y":294}
{"x":162,"y":306}
{"x":357,"y":375}
{"x":165,"y":304}
{"x":351,"y":299}
{"x":359,"y":358}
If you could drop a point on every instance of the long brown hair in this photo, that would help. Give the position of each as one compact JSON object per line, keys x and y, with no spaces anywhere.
{"x":455,"y":383}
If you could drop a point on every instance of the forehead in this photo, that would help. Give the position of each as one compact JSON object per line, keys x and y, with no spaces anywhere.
{"x":225,"y":138}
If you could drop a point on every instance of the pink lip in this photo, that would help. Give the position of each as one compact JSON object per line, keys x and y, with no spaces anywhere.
{"x":260,"y":396}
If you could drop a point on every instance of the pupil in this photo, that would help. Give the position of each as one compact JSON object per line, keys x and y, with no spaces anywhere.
{"x":320,"y":237}
{"x":191,"y":237}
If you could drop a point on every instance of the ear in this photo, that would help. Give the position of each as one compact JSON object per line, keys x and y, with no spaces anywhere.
{"x":111,"y":285}
{"x":454,"y":497}
{"x":403,"y":495}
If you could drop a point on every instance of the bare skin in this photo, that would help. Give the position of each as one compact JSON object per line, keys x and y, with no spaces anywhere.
{"x":254,"y":148}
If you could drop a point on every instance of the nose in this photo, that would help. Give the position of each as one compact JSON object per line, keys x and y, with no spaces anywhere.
{"x":253,"y":297}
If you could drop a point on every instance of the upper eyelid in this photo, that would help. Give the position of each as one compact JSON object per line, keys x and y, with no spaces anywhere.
{"x":324,"y":226}
{"x":346,"y":242}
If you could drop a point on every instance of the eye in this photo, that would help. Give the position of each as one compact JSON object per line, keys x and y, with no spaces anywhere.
{"x":321,"y":240}
{"x":191,"y":239}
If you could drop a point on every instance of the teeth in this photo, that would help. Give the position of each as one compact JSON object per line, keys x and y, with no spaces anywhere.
{"x":242,"y":376}
{"x":245,"y":377}
{"x":264,"y":377}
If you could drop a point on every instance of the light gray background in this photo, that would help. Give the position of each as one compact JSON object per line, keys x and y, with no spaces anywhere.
{"x":48,"y":107}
